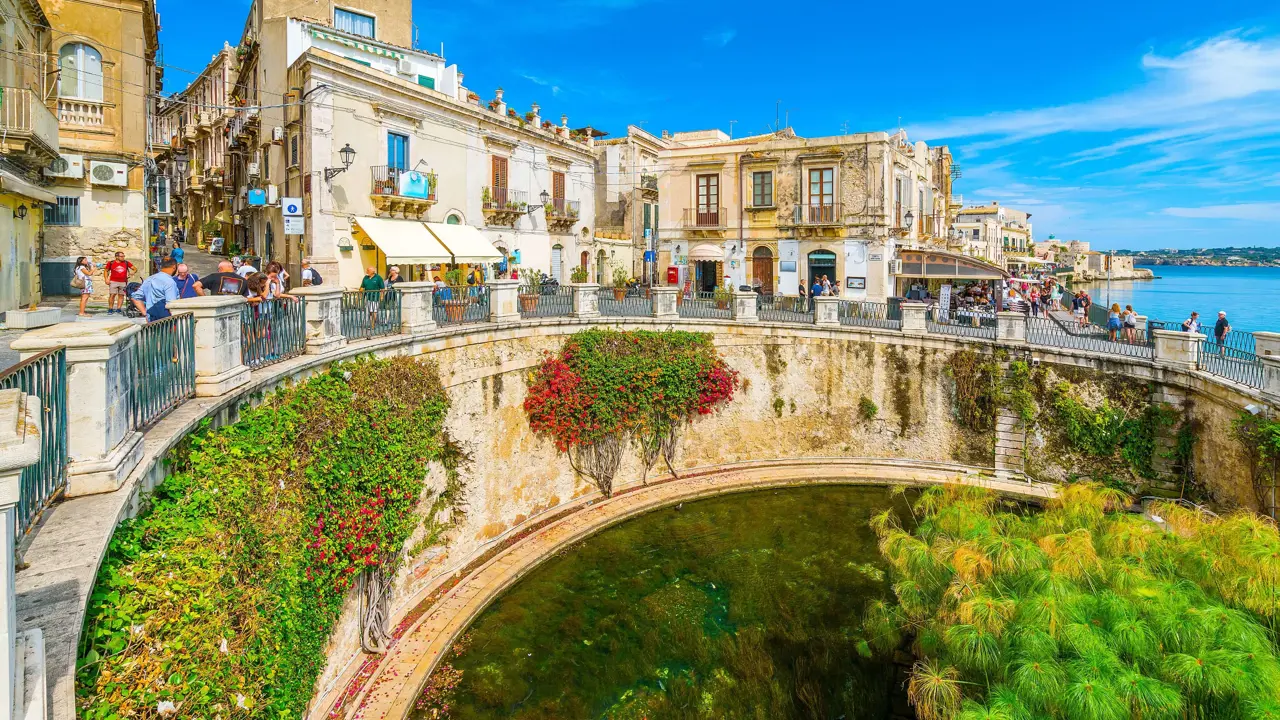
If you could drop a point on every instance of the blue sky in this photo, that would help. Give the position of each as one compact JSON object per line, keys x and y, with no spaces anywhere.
{"x":1129,"y":124}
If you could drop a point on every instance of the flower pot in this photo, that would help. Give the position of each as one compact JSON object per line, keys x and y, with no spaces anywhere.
{"x":528,"y":302}
{"x":722,"y":304}
{"x":619,"y":294}
{"x":454,"y":309}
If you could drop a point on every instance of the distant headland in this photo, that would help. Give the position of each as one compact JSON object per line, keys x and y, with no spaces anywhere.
{"x":1230,"y":256}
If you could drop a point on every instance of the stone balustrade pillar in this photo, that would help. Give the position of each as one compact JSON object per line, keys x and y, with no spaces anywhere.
{"x":1266,"y":345}
{"x":19,"y":449}
{"x":826,"y":311}
{"x":664,"y":303}
{"x":101,"y":444}
{"x":417,"y":307}
{"x":504,"y":301}
{"x":1141,"y":321}
{"x":1011,"y":327}
{"x":913,"y":318}
{"x":220,"y":366}
{"x":322,"y":305}
{"x":1179,"y":350}
{"x":744,"y":305}
{"x":586,"y":300}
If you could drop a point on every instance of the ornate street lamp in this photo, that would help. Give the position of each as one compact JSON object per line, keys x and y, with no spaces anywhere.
{"x":348,"y":156}
{"x":545,"y":197}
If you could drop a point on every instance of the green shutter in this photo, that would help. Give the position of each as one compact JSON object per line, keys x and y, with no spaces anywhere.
{"x":357,"y":60}
{"x":427,"y":82}
{"x":648,"y":210}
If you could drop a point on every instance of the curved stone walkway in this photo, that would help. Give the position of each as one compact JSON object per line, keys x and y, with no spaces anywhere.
{"x":400,"y":676}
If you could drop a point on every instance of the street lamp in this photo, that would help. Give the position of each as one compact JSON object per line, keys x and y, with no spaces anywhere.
{"x":21,"y":212}
{"x":545,"y":197}
{"x":348,"y":156}
{"x":908,"y":218}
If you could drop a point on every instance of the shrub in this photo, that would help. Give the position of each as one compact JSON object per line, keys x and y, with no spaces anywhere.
{"x":578,"y":275}
{"x":867,"y":408}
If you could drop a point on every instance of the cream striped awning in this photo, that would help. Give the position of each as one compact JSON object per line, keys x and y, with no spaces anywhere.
{"x":375,"y":49}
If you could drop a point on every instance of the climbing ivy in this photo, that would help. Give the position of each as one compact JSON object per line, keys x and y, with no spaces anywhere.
{"x":977,"y":394}
{"x":1259,"y":435}
{"x":1109,"y":432}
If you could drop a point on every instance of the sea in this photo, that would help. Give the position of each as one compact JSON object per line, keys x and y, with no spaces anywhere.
{"x":1246,"y":293}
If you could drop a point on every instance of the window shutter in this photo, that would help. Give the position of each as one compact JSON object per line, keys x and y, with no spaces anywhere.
{"x":557,"y":185}
{"x":499,"y":172}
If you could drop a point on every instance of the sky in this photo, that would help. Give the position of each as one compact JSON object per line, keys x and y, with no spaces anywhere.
{"x":1127,"y":123}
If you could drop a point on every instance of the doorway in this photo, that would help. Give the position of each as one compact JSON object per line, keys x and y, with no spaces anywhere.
{"x":707,"y":275}
{"x":762,"y":269}
{"x":585,"y":263}
{"x":600,"y":268}
{"x":822,"y":262}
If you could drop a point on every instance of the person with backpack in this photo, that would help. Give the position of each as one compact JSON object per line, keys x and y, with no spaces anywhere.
{"x":310,"y":276}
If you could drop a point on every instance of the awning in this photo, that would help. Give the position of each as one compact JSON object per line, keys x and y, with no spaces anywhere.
{"x":18,"y":186}
{"x":1027,"y":260}
{"x":367,"y":47}
{"x":465,"y":243}
{"x":403,"y":241}
{"x":947,"y":265}
{"x":707,"y":252}
{"x":223,"y":217}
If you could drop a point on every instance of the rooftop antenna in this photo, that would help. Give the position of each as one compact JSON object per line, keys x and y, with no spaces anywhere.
{"x":731,"y":122}
{"x":777,"y":110}
{"x":844,"y":128}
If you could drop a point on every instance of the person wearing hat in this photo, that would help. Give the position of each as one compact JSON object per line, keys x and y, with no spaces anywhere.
{"x":1220,"y":330}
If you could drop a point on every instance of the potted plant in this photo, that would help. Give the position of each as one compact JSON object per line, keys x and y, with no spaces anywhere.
{"x":620,"y":278}
{"x":722,"y":297}
{"x":578,"y":275}
{"x":531,"y":290}
{"x":455,"y":307}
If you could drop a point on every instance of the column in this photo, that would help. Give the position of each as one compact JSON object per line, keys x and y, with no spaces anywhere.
{"x":664,"y":303}
{"x":19,"y":449}
{"x":1266,"y":345}
{"x":417,"y":307}
{"x":1011,"y":327}
{"x":913,"y":318}
{"x":744,"y":306}
{"x":219,"y":365}
{"x":826,"y":311}
{"x":1179,"y":350}
{"x":504,"y":301}
{"x":101,"y":444}
{"x":322,"y":305}
{"x":586,"y":300}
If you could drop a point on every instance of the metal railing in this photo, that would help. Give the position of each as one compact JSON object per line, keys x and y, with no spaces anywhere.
{"x":386,"y":181}
{"x":828,"y":214}
{"x":861,"y":313}
{"x":545,"y":301}
{"x":459,"y":304}
{"x":561,"y":208}
{"x":634,"y":303}
{"x":501,"y":198}
{"x":162,"y":363}
{"x":45,"y":376}
{"x":23,"y":115}
{"x":272,"y":331}
{"x":705,"y":305}
{"x":784,"y":308}
{"x":370,"y":313}
{"x":961,"y":322}
{"x":1230,"y":363}
{"x":1041,"y":331}
{"x":704,"y":217}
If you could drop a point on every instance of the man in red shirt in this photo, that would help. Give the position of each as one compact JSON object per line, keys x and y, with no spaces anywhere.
{"x":117,"y":280}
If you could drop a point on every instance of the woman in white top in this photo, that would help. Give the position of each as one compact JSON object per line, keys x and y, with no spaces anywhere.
{"x":84,"y":274}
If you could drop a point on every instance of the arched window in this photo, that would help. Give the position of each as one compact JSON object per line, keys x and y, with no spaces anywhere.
{"x":81,"y":76}
{"x":453,"y":220}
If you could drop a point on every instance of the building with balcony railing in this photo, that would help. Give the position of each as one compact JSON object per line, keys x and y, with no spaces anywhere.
{"x":627,"y":170}
{"x":997,"y":233}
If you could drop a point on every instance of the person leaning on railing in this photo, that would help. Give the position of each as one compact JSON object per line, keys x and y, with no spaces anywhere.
{"x":373,"y":285}
{"x":157,"y":291}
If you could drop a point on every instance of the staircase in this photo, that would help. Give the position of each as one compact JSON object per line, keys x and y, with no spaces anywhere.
{"x":1011,"y":437}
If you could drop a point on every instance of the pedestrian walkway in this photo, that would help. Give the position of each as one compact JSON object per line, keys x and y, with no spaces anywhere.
{"x":70,"y":307}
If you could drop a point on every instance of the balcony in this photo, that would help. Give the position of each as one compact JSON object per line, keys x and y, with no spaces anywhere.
{"x":562,"y":214}
{"x":28,"y":129}
{"x":649,"y":186}
{"x":820,"y":215}
{"x":395,"y":191}
{"x":704,"y":219}
{"x":503,"y":206}
{"x":81,"y":113}
{"x":204,"y":122}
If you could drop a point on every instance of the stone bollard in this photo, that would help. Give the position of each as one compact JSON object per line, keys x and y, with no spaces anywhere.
{"x":586,"y":300}
{"x":826,"y":311}
{"x":504,"y":301}
{"x":1266,"y":345}
{"x":664,"y":303}
{"x":744,"y":305}
{"x":1180,"y":350}
{"x":1011,"y":327}
{"x":417,"y":307}
{"x":1141,"y":321}
{"x":220,"y":365}
{"x":19,"y":449}
{"x":323,"y":307}
{"x":101,"y":445}
{"x":913,"y":318}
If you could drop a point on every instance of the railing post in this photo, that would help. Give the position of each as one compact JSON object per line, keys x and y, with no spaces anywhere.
{"x":416,"y":307}
{"x":744,"y":306}
{"x":1266,"y":345}
{"x":664,"y":303}
{"x":1011,"y":327}
{"x":504,"y":301}
{"x":913,"y":318}
{"x":220,"y":365}
{"x":826,"y":311}
{"x":19,"y":449}
{"x":102,"y":446}
{"x":1179,"y":350}
{"x":322,"y":305}
{"x":586,"y":300}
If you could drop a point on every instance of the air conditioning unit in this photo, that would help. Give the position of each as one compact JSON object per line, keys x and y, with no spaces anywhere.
{"x":253,"y":169}
{"x":405,"y":66}
{"x":66,"y":166}
{"x":109,"y":173}
{"x":273,"y":195}
{"x":897,"y":267}
{"x":277,"y":134}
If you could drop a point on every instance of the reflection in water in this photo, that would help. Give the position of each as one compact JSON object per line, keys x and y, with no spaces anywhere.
{"x":744,"y":606}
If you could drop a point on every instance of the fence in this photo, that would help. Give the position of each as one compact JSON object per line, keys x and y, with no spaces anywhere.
{"x":705,"y":305}
{"x":162,"y":361}
{"x":458,"y":304}
{"x":633,"y":303}
{"x":272,"y":331}
{"x":870,"y":314}
{"x":545,"y":301}
{"x":45,"y":376}
{"x":782,"y":308}
{"x":1048,"y":332}
{"x":370,"y":313}
{"x":1231,"y":363}
{"x":961,"y":322}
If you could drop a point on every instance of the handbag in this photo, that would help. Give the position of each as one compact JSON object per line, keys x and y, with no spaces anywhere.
{"x":77,"y":282}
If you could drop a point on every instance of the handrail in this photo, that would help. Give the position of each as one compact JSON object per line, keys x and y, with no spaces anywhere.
{"x":45,"y":376}
{"x":162,"y":361}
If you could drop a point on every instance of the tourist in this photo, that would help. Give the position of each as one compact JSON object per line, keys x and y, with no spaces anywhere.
{"x":826,"y":286}
{"x":83,"y":281}
{"x":372,"y":285}
{"x":393,"y":276}
{"x":1192,"y":324}
{"x":804,"y":293}
{"x":1114,"y":325}
{"x":157,"y":292}
{"x":225,"y":281}
{"x":188,"y":282}
{"x":310,"y":276}
{"x":277,"y":279}
{"x":814,"y":293}
{"x":177,"y":253}
{"x":1034,"y":299}
{"x":1220,"y":330}
{"x":243,"y":268}
{"x":1129,"y":319}
{"x":117,"y":275}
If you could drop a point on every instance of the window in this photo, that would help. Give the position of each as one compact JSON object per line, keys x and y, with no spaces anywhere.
{"x":822,"y":195}
{"x":353,"y":22}
{"x":453,"y":220}
{"x":501,"y":174}
{"x":66,"y":211}
{"x":293,"y":151}
{"x":975,"y":233}
{"x":762,"y":189}
{"x":557,"y":192}
{"x":397,"y":151}
{"x":708,"y":193}
{"x":81,"y":75}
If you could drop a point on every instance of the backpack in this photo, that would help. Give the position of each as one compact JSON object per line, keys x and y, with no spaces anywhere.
{"x":316,"y":279}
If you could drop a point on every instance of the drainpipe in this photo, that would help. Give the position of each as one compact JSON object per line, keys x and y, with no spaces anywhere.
{"x":742,"y":240}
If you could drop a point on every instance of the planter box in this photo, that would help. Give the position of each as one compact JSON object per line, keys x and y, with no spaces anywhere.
{"x":31,"y":319}
{"x":528,"y":302}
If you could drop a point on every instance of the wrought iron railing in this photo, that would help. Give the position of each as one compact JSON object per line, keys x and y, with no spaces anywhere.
{"x":633,"y":303}
{"x":545,"y":301}
{"x":706,"y":305}
{"x":162,"y":363}
{"x":387,"y":181}
{"x":501,"y":198}
{"x":961,"y":322}
{"x":1041,"y":331}
{"x":272,"y":331}
{"x":45,"y":376}
{"x":861,"y":313}
{"x":784,"y":308}
{"x":370,"y":313}
{"x":828,"y":214}
{"x":562,"y":208}
{"x":1230,"y":363}
{"x":458,"y":304}
{"x":704,"y":217}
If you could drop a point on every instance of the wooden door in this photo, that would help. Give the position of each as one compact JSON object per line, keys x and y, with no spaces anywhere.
{"x":762,"y":270}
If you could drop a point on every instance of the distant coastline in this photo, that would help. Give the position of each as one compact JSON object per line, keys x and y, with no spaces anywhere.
{"x":1208,"y":257}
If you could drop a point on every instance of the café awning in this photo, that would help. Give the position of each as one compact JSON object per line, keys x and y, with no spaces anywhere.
{"x":947,"y":266}
{"x":1027,"y":260}
{"x":403,"y":241}
{"x":707,"y":252}
{"x":465,"y":243}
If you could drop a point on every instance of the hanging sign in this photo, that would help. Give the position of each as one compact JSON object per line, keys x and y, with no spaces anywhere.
{"x":294,"y":225}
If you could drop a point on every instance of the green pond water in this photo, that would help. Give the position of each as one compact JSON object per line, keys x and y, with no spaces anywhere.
{"x":742,"y":606}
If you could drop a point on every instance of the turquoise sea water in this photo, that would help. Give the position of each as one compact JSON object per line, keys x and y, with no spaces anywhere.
{"x":1248,"y":294}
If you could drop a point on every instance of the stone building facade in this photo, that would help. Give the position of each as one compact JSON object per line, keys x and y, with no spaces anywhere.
{"x":627,"y":206}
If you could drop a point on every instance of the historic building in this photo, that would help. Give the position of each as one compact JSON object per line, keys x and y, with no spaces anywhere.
{"x":627,"y":205}
{"x":997,"y":233}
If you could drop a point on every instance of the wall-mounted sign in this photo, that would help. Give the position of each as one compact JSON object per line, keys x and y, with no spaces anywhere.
{"x":257,"y":197}
{"x":855,"y":283}
{"x":682,"y":260}
{"x":787,"y":266}
{"x":291,"y":207}
{"x":294,"y":225}
{"x":877,"y":257}
{"x":650,"y":256}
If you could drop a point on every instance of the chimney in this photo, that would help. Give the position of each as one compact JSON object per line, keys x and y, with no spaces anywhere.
{"x":537,"y":115}
{"x":502,"y":106}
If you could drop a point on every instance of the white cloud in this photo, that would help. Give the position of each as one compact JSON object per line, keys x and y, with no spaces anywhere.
{"x":720,"y":38}
{"x":1262,"y":212}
